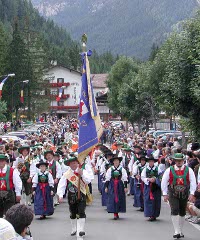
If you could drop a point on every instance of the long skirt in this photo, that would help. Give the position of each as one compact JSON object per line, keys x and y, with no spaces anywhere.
{"x":116,"y":197}
{"x":104,"y":196}
{"x":43,"y":201}
{"x":152,"y":201}
{"x":132,"y":185}
{"x":138,"y":196}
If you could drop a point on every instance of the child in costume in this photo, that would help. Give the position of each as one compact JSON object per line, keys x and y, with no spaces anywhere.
{"x":43,"y":186}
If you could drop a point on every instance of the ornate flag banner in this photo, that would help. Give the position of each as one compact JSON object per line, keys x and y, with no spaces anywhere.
{"x":90,"y":128}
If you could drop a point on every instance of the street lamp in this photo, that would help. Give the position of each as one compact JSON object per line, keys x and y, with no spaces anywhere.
{"x":25,"y":81}
{"x":8,"y":75}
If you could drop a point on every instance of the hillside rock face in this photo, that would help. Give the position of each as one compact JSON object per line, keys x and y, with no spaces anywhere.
{"x":127,"y":27}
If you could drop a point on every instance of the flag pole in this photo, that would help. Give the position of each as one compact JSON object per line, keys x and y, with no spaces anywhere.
{"x":83,"y":41}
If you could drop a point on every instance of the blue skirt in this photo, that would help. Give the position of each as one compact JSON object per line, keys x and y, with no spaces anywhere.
{"x":132,"y":185}
{"x":116,"y":201}
{"x":104,"y":196}
{"x":43,"y":201}
{"x":138,"y":194}
{"x":152,"y":207}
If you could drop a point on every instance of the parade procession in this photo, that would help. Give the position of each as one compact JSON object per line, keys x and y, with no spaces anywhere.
{"x":103,"y":143}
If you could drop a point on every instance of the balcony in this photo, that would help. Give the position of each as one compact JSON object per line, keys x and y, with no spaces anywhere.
{"x":64,"y":96}
{"x":64,"y":107}
{"x":57,"y":85}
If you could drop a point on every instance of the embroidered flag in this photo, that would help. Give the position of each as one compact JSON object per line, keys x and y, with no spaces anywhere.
{"x":1,"y":86}
{"x":59,"y":95}
{"x":90,"y":128}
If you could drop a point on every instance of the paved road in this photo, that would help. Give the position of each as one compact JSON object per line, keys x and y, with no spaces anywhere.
{"x":101,"y":226}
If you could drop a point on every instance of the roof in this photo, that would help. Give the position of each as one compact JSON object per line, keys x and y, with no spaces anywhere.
{"x":62,"y":66}
{"x":99,"y":80}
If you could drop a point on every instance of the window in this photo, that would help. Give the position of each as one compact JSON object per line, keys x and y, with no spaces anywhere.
{"x":60,"y":80}
{"x":61,"y":103}
{"x":54,"y":92}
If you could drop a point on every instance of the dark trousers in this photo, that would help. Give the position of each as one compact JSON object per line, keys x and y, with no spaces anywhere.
{"x":178,"y":205}
{"x":77,"y":210}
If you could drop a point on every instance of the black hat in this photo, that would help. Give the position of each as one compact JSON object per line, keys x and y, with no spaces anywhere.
{"x":151,"y":158}
{"x":41,"y":162}
{"x":195,"y":146}
{"x":142,"y":157}
{"x":115,"y":157}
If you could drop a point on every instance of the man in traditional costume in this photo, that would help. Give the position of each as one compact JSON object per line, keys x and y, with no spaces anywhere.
{"x":77,"y":203}
{"x":178,"y":186}
{"x":55,"y":169}
{"x":27,"y":170}
{"x":10,"y":186}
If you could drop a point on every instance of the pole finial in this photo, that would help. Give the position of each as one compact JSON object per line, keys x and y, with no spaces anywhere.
{"x":84,"y":41}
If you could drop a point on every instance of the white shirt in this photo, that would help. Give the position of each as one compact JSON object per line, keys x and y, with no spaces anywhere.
{"x":143,"y":174}
{"x":165,"y":180}
{"x":135,"y":169}
{"x":50,"y":178}
{"x":16,"y":180}
{"x":58,"y":169}
{"x":124,"y":173}
{"x":63,"y":182}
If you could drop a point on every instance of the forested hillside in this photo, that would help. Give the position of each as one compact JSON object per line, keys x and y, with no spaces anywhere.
{"x":28,"y":45}
{"x":122,"y":26}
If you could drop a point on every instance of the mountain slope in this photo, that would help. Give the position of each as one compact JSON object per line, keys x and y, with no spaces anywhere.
{"x":122,"y":26}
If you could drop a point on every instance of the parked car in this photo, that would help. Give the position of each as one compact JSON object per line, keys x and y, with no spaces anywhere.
{"x":162,"y":132}
{"x":20,"y":134}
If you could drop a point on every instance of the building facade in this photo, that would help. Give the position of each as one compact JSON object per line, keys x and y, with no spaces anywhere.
{"x":70,"y":81}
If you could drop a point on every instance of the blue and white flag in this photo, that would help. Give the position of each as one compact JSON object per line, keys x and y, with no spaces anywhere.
{"x":60,"y":94}
{"x":90,"y":128}
{"x":1,"y":85}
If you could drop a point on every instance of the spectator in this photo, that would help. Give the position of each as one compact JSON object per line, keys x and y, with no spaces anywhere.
{"x":7,"y":231}
{"x":20,"y":216}
{"x":194,"y":208}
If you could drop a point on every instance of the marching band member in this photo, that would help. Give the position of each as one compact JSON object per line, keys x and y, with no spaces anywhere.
{"x":178,"y":185}
{"x":70,"y":180}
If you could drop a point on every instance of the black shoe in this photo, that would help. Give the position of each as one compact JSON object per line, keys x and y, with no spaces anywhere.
{"x":81,"y":234}
{"x":152,"y":219}
{"x":73,"y":233}
{"x":182,"y":236}
{"x":177,"y":236}
{"x":141,"y":209}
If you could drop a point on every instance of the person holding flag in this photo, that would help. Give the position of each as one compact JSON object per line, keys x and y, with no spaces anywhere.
{"x":90,"y":130}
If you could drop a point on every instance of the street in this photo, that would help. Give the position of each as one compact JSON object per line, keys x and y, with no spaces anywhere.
{"x":100,"y":225}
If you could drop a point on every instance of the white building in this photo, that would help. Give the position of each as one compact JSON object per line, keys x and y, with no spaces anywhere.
{"x":70,"y":81}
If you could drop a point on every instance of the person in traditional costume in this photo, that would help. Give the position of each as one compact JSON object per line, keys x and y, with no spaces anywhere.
{"x":139,"y":184}
{"x":127,"y":163}
{"x":118,"y":151}
{"x":43,"y":191}
{"x":77,"y":204}
{"x":27,"y":170}
{"x":116,"y":187}
{"x":152,"y":190}
{"x":104,"y":168}
{"x":178,"y":186}
{"x":10,"y":186}
{"x":55,"y":169}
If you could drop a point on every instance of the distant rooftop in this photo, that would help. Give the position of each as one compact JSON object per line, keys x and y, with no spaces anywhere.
{"x":99,"y":80}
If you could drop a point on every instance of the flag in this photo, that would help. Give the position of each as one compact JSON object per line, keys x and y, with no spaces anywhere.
{"x":22,"y":96}
{"x":1,"y":86}
{"x":90,"y":128}
{"x":60,"y":94}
